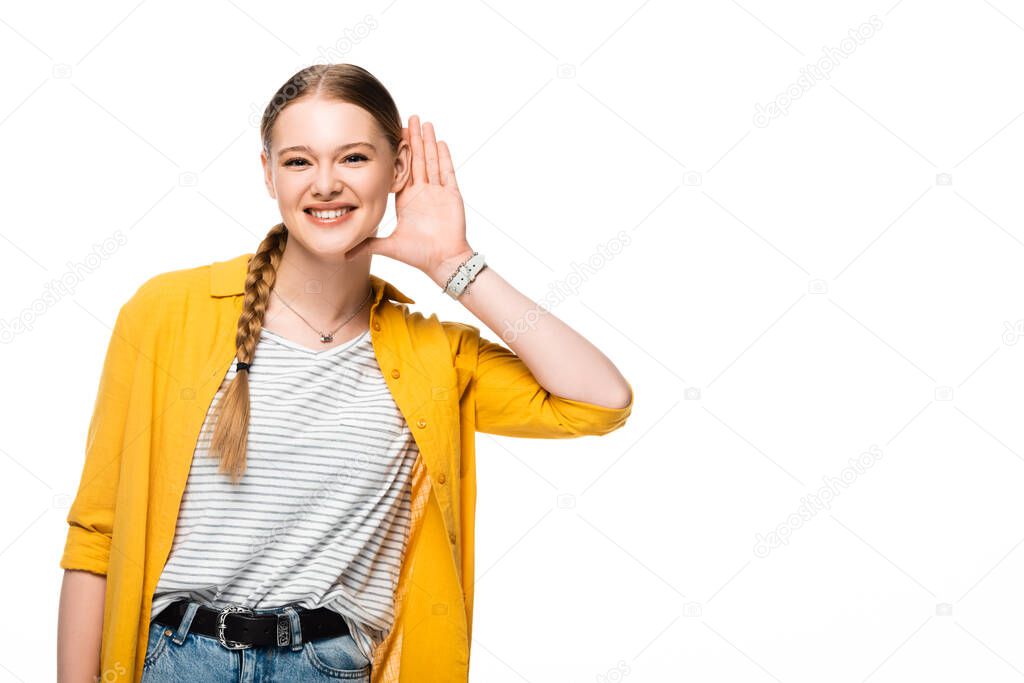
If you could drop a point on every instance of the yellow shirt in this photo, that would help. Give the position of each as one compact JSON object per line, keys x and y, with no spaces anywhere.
{"x":172,"y":344}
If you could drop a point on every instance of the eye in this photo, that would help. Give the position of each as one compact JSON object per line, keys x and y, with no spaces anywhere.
{"x":297,"y":161}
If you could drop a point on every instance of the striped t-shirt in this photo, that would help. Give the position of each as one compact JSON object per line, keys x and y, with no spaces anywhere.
{"x":321,"y":516}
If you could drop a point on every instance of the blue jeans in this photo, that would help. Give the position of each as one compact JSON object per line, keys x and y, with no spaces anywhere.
{"x":174,"y":655}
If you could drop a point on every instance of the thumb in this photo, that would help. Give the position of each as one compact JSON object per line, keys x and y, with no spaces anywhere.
{"x":371,"y":245}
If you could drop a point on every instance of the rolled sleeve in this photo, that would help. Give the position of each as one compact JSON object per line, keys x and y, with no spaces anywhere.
{"x":91,"y":515}
{"x":87,"y":549}
{"x":510,"y":402}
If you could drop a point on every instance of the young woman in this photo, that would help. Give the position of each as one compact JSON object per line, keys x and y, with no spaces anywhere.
{"x":279,"y":482}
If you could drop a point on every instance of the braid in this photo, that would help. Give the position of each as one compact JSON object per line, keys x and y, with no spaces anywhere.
{"x":231,"y":429}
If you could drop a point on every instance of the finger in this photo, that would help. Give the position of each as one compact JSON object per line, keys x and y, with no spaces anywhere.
{"x":430,"y":154}
{"x":419,"y":173}
{"x":383,"y":246}
{"x":446,"y":167}
{"x":370,"y":245}
{"x":356,"y":251}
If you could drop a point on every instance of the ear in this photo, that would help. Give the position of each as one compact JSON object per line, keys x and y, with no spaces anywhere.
{"x":268,"y":175}
{"x":403,"y":164}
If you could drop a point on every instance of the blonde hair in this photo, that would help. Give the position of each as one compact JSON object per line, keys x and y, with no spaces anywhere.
{"x":343,"y":82}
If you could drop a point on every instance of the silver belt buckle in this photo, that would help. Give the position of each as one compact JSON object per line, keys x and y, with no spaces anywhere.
{"x":284,"y":630}
{"x":221,"y":616}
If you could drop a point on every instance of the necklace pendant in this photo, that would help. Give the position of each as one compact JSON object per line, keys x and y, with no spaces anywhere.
{"x":326,"y":338}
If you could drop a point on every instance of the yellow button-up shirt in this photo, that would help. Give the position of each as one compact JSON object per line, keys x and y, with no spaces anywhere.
{"x":172,"y":344}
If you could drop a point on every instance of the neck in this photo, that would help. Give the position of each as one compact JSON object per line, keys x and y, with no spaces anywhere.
{"x":325,"y":292}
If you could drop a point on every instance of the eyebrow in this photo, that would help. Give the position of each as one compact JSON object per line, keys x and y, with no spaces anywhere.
{"x":342,"y":148}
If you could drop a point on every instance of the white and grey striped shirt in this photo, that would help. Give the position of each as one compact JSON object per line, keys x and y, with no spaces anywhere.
{"x":321,"y":516}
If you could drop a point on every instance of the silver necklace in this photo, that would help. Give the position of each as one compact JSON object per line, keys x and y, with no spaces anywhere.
{"x":325,"y":337}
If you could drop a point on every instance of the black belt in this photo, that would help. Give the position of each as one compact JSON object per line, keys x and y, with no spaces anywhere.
{"x":238,"y":628}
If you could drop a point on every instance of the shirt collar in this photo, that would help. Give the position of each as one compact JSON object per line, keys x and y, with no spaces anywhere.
{"x":227,"y":278}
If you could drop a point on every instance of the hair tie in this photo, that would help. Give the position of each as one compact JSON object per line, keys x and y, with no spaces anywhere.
{"x":242,"y":366}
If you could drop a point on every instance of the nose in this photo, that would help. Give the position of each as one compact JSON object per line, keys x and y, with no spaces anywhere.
{"x":327,"y":182}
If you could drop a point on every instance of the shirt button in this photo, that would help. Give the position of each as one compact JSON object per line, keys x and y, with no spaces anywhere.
{"x":376,"y":325}
{"x":451,"y":537}
{"x":441,"y":478}
{"x":422,"y":423}
{"x":395,"y":373}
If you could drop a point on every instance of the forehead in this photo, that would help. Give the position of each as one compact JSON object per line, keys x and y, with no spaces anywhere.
{"x":323,"y":124}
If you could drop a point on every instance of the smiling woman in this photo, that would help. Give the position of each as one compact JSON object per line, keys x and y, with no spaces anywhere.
{"x":303,"y":500}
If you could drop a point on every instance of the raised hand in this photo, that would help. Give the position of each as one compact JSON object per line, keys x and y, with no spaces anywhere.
{"x":431,"y":231}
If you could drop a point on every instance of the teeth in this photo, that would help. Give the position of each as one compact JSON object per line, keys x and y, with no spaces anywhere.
{"x":329,"y":215}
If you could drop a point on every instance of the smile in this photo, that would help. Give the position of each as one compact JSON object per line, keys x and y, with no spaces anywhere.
{"x":329,"y":217}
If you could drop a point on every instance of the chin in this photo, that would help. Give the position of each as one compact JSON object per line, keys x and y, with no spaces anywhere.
{"x":323,"y":244}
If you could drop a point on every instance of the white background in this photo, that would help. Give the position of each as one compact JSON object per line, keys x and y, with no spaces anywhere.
{"x":791,"y":296}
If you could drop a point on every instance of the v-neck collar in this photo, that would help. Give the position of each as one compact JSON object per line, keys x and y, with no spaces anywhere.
{"x":326,"y":353}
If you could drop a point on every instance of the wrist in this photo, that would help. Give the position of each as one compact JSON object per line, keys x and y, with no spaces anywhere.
{"x":448,"y":266}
